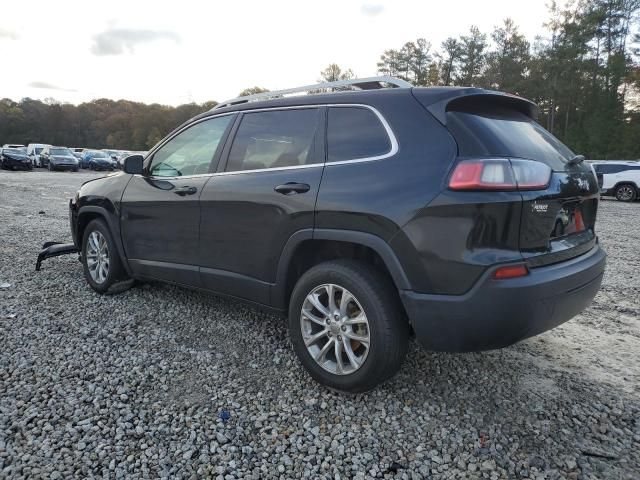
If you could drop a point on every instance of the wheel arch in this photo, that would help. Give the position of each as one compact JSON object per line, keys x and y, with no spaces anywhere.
{"x":88,"y":213}
{"x":626,"y":182}
{"x":309,"y":247}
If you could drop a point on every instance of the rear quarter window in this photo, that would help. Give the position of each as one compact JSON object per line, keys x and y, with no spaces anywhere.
{"x":355,"y":133}
{"x":485,"y":130}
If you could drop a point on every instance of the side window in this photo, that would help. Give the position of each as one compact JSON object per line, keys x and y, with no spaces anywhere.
{"x":355,"y":132}
{"x":280,"y":138}
{"x":191,"y":151}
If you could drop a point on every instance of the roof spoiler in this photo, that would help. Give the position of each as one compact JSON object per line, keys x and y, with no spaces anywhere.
{"x":472,"y":97}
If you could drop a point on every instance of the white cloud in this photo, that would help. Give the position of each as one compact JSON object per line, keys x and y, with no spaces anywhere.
{"x":371,"y":9}
{"x":116,"y":41}
{"x":49,"y":86}
{"x":8,"y":34}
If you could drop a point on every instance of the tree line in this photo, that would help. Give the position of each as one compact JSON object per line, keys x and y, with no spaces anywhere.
{"x":583,"y":71}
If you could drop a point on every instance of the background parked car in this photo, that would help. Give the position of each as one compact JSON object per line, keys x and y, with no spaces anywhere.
{"x":114,"y":155}
{"x":15,"y":158}
{"x":58,"y":158}
{"x":33,"y":151}
{"x":96,"y":160}
{"x":14,"y":145}
{"x":619,"y":178}
{"x":77,"y":152}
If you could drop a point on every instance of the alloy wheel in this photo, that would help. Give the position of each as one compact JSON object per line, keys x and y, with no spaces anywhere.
{"x":335,"y":329}
{"x":97,"y":257}
{"x":625,"y":193}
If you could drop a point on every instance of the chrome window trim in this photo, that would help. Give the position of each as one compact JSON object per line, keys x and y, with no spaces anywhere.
{"x":274,"y":169}
{"x":392,"y":139}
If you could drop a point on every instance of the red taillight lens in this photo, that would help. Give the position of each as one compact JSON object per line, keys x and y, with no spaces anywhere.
{"x":500,"y":174}
{"x":511,"y":271}
{"x":579,"y":222}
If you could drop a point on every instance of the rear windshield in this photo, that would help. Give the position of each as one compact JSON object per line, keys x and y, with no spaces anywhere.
{"x":482,"y":131}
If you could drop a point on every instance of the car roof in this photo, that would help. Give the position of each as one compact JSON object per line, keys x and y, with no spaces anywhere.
{"x":435,"y":99}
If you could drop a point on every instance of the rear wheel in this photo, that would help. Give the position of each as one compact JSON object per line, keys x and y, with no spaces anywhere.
{"x":626,"y":192}
{"x":346,"y":326}
{"x":100,"y":260}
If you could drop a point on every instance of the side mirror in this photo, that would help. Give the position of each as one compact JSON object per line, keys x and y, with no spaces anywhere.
{"x":133,"y":164}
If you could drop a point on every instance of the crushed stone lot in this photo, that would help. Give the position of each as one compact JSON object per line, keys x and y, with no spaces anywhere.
{"x":140,"y":384}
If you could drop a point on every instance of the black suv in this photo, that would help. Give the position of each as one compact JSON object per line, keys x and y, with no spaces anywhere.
{"x":366,"y":216}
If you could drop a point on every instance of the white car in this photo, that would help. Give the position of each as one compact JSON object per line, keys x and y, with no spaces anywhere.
{"x":33,"y":152}
{"x":618,"y":178}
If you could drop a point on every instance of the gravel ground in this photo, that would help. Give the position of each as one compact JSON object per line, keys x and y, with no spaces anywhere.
{"x":140,"y":384}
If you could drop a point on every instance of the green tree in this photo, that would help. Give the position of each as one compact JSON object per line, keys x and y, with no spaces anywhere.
{"x":507,"y":63}
{"x":333,"y":73}
{"x":472,"y":58}
{"x":252,"y":91}
{"x":450,"y":56}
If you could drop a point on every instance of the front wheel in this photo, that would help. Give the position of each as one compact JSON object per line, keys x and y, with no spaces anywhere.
{"x":347,"y":326}
{"x":626,"y":193}
{"x":100,"y":260}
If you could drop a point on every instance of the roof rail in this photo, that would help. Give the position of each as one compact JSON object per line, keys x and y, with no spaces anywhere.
{"x":369,"y":83}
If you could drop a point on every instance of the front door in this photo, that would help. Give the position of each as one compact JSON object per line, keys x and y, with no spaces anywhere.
{"x":160,"y":211}
{"x":265,"y":192}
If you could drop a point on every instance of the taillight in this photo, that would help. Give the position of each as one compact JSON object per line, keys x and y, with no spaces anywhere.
{"x":500,"y":174}
{"x":511,"y":271}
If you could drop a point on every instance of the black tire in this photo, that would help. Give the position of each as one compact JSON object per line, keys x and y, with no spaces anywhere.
{"x":387,"y":323}
{"x":50,"y":167}
{"x":75,"y":169}
{"x":626,"y":192}
{"x":116,"y":272}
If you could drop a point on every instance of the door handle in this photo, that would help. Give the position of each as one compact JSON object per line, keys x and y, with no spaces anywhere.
{"x":186,"y":190}
{"x":292,"y":188}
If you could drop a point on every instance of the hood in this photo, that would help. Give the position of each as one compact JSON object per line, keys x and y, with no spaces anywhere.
{"x":16,"y":156}
{"x":99,"y":184}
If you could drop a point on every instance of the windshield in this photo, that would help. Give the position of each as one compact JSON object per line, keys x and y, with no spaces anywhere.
{"x":17,"y":151}
{"x":38,"y":150}
{"x":61,"y":151}
{"x":98,"y":155}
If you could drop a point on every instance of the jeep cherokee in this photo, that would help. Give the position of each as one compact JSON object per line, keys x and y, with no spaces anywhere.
{"x":366,"y":216}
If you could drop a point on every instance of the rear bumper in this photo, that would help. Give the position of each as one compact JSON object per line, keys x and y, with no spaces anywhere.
{"x":498,"y":313}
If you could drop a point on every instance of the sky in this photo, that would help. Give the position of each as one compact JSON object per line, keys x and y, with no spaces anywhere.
{"x":198,"y":50}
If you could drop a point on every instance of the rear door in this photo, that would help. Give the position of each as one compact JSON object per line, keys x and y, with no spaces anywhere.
{"x":264,"y":192}
{"x":160,"y":210}
{"x":557,"y":222}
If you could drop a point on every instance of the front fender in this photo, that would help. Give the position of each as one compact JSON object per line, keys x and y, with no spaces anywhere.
{"x":89,"y":207}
